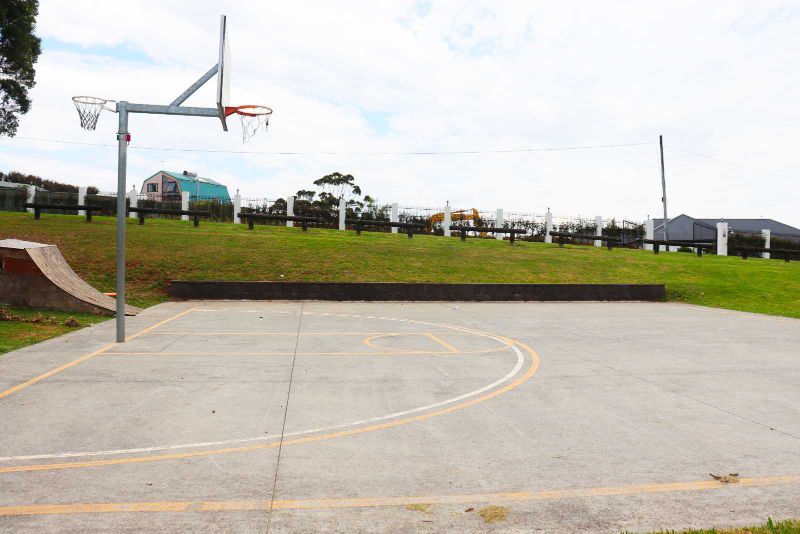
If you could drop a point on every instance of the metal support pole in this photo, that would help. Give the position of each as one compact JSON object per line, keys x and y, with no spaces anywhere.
{"x":664,"y":189}
{"x":122,"y":167}
{"x":196,"y":85}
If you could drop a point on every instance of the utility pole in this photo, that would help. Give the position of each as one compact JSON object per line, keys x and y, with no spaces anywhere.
{"x":663,"y":188}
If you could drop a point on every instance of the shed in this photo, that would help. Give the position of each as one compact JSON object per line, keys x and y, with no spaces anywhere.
{"x":169,"y":185}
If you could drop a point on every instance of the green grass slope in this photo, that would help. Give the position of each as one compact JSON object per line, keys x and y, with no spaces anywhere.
{"x":24,"y":326}
{"x":163,"y":250}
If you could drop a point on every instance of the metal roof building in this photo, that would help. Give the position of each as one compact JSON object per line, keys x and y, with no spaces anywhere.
{"x":168,"y":185}
{"x":686,"y":228}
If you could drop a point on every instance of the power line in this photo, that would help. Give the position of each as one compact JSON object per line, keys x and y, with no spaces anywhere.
{"x":731,"y":163}
{"x":410,"y":153}
{"x":363,"y":153}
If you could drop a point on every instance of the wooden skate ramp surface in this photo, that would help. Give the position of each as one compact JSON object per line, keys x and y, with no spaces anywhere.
{"x":55,"y":268}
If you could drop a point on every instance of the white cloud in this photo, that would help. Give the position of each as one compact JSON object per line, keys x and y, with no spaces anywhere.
{"x":717,"y":78}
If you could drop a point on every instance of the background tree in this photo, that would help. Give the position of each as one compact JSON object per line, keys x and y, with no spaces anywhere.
{"x":19,"y":50}
{"x":325,"y":202}
{"x":337,"y":186}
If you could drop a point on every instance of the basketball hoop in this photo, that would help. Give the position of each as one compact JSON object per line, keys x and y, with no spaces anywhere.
{"x":89,"y":108}
{"x":253,"y":119}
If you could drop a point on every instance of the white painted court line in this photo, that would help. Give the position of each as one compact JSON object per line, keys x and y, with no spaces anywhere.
{"x":510,"y":375}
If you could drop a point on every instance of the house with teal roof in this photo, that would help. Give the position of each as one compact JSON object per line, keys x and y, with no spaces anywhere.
{"x":168,"y":185}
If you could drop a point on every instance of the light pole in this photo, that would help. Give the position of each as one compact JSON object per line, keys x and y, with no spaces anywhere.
{"x":663,"y":188}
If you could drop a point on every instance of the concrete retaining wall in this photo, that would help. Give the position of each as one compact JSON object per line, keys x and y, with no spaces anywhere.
{"x":225,"y":290}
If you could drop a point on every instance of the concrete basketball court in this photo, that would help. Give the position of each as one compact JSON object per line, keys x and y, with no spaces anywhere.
{"x":299,"y":417}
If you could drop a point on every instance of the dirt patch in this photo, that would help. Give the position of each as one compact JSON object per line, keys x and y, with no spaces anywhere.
{"x":494,"y":514}
{"x":6,"y":315}
{"x":40,"y":319}
{"x":9,"y":316}
{"x":730,"y":478}
{"x":421,"y":507}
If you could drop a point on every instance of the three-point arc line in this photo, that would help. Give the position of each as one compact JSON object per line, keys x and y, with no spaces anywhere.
{"x":441,"y":408}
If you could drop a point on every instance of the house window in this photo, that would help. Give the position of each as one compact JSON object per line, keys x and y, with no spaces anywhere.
{"x":171,"y":187}
{"x":152,"y":188}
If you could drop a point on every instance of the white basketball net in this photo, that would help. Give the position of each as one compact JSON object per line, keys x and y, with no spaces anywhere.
{"x":253,"y":119}
{"x":89,"y":108}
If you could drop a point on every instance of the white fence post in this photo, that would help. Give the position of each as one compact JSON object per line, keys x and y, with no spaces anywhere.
{"x":499,"y":223}
{"x":649,"y":233}
{"x":237,"y":207}
{"x":81,"y":200}
{"x":598,"y":221}
{"x":290,"y":211}
{"x":548,"y":226}
{"x":133,"y":196}
{"x":767,"y":233}
{"x":184,"y":204}
{"x":394,"y":216}
{"x":31,"y":196}
{"x":342,"y":213}
{"x":722,"y":239}
{"x":448,"y":220}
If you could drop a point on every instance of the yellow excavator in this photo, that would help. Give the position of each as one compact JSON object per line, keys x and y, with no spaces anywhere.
{"x":457,"y":215}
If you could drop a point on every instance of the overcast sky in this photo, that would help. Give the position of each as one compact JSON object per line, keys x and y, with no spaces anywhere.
{"x":720,"y":79}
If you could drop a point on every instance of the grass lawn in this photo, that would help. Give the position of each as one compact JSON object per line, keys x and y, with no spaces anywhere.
{"x":770,"y":527}
{"x":163,"y":250}
{"x":25,"y":326}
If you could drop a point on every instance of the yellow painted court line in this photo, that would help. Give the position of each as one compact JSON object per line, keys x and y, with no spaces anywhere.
{"x":286,"y":353}
{"x":160,"y":324}
{"x":294,"y":441}
{"x":51,"y":372}
{"x":73,"y":363}
{"x":442,"y":342}
{"x":306,"y":333}
{"x":387,"y":352}
{"x":368,"y":341}
{"x":373,"y":502}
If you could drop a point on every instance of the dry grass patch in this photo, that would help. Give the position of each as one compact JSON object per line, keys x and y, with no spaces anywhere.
{"x":494,"y":514}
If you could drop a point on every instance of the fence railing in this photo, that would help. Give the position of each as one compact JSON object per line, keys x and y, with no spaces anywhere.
{"x":428,"y":219}
{"x":12,"y":199}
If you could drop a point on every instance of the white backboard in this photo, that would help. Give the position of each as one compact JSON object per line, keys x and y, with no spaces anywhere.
{"x":224,"y":72}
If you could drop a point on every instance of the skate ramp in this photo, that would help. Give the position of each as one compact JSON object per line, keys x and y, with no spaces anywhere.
{"x":37,"y":275}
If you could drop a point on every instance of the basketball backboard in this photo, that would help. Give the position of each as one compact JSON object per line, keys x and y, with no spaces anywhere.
{"x":223,"y":72}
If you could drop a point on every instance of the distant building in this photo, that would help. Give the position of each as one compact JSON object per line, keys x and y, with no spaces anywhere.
{"x":167,"y":185}
{"x":14,"y":185}
{"x":686,"y":228}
